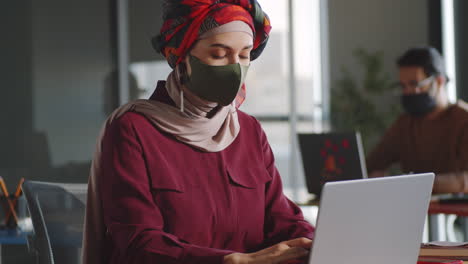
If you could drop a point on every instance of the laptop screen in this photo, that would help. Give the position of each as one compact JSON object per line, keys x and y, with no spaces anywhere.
{"x":331,"y":157}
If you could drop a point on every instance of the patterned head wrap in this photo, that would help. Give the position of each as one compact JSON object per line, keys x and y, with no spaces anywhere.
{"x":186,"y":20}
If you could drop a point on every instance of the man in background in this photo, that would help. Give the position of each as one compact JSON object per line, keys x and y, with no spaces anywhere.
{"x":432,"y":134}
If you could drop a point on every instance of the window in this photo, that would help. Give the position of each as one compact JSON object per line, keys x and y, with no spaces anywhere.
{"x":448,"y":39}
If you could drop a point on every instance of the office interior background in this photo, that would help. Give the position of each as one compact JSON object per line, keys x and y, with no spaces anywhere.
{"x":65,"y":65}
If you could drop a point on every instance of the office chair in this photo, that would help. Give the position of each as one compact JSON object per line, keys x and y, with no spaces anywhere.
{"x":57,"y":212}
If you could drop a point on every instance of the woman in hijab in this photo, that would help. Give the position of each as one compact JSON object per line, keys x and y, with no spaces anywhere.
{"x":186,"y":177}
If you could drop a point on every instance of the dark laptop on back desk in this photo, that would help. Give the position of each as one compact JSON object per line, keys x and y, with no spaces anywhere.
{"x":331,"y":157}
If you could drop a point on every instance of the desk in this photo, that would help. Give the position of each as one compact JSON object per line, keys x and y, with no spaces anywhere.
{"x":12,"y":237}
{"x":437,"y":218}
{"x":460,"y":209}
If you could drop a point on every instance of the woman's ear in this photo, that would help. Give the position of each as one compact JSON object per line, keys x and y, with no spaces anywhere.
{"x":183,"y":72}
{"x":440,"y":80}
{"x":186,"y":62}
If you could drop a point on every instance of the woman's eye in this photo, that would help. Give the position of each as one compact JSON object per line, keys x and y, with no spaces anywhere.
{"x":218,"y":54}
{"x":244,"y":57}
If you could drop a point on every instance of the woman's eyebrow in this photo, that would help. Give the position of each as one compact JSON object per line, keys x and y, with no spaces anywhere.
{"x":221,"y":46}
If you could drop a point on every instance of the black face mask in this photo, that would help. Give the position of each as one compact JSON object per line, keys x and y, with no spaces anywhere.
{"x":418,"y":104}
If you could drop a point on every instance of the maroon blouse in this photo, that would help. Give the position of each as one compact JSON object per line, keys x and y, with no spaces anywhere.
{"x":167,"y":202}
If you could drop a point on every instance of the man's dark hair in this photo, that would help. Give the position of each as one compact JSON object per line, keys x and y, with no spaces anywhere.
{"x":426,"y":57}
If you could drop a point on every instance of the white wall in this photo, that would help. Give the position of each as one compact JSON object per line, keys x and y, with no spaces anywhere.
{"x":390,"y":26}
{"x":145,"y":20}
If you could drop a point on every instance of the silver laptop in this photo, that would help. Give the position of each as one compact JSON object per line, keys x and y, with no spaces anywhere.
{"x":368,"y":221}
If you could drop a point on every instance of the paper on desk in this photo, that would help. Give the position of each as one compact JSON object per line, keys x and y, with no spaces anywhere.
{"x":446,"y":244}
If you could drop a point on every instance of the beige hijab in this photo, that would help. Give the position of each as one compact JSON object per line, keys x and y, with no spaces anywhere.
{"x":202,"y":124}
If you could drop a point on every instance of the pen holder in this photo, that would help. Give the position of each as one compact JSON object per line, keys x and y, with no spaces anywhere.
{"x":8,"y":219}
{"x":4,"y":211}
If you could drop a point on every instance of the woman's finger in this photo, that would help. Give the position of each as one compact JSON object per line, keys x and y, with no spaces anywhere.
{"x":293,"y":253}
{"x":299,"y":242}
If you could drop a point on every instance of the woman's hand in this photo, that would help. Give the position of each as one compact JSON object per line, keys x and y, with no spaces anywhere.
{"x":284,"y":252}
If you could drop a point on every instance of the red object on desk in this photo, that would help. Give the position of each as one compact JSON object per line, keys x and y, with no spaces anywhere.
{"x":460,"y":209}
{"x":438,"y":261}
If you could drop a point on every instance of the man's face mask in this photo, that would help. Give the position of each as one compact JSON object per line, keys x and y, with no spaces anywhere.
{"x":218,"y":84}
{"x":418,"y":104}
{"x":421,"y":103}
